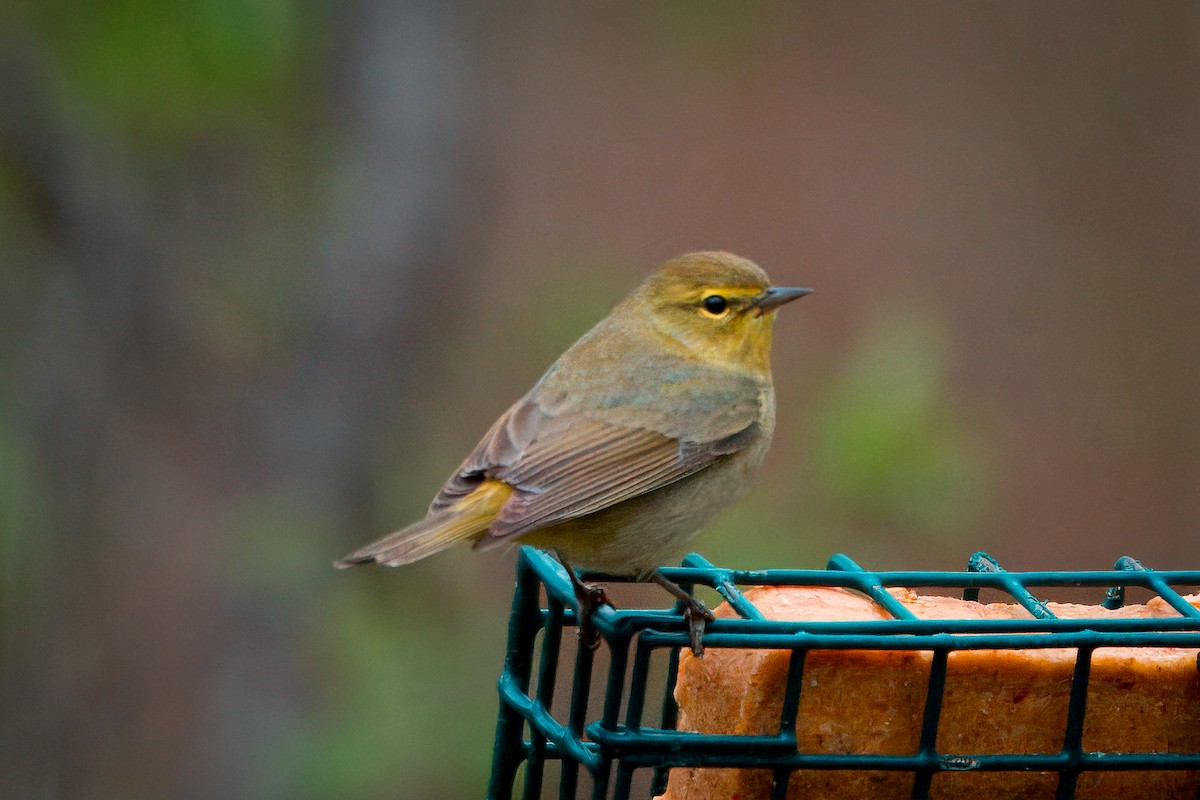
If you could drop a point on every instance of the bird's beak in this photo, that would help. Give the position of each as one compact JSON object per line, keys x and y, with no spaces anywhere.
{"x":776,"y":296}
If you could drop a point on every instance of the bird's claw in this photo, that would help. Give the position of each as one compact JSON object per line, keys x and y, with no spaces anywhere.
{"x":697,"y":616}
{"x":590,"y":596}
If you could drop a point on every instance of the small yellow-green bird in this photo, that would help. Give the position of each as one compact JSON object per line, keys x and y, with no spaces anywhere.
{"x":631,"y":442}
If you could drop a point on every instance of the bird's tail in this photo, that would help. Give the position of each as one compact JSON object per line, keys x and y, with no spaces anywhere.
{"x":466,"y":519}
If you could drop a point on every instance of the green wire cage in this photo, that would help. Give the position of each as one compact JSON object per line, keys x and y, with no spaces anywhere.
{"x":614,"y":734}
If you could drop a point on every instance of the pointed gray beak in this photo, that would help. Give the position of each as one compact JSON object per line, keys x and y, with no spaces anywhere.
{"x":778,"y":295}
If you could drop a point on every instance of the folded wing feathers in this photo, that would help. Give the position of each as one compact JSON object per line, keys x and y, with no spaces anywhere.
{"x":568,"y":466}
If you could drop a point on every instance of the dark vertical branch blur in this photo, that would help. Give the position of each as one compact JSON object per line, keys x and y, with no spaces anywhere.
{"x":396,"y":225}
{"x":144,"y":432}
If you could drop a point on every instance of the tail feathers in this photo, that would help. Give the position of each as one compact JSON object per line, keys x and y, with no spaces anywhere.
{"x":466,"y":519}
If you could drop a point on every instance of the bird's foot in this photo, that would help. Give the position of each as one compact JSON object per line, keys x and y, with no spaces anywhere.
{"x":697,"y":616}
{"x":588,"y":597}
{"x":695,"y":613}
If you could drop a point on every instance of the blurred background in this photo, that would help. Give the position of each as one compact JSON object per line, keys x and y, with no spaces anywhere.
{"x":270,"y":269}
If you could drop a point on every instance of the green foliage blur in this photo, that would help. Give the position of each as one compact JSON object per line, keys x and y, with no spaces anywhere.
{"x":164,"y":73}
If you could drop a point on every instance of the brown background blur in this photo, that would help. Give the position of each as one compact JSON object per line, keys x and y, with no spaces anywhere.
{"x":270,"y":269}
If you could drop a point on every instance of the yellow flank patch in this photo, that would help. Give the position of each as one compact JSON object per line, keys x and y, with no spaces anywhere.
{"x":470,"y":516}
{"x":485,"y":501}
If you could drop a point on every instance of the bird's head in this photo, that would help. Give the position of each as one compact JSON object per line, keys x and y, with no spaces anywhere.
{"x":717,"y":305}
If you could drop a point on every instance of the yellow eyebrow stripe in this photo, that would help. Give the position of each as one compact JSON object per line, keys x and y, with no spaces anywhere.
{"x":730,"y":292}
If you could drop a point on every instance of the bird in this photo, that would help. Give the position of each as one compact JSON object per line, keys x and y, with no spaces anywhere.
{"x":630,"y":443}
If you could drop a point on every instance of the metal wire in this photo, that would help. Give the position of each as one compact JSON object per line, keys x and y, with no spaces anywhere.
{"x":610,"y":751}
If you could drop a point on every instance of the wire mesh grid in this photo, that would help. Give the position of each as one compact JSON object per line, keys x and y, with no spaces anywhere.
{"x":607,"y":739}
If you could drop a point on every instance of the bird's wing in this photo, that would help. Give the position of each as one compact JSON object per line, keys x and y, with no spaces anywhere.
{"x":569,"y":465}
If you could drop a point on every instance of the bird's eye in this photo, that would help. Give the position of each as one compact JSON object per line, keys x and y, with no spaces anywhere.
{"x":714,"y":305}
